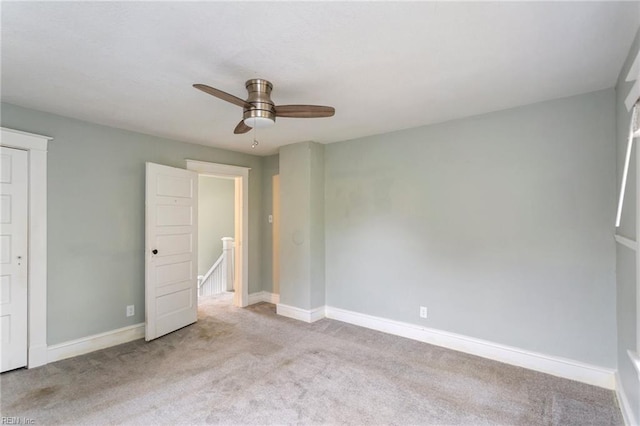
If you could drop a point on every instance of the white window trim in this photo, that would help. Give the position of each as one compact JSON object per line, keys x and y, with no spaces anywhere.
{"x":632,"y":99}
{"x":634,"y":359}
{"x":36,"y":145}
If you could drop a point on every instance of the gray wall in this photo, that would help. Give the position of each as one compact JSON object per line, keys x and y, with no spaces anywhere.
{"x":270,"y":168}
{"x":96,"y":217}
{"x":627,"y":319}
{"x":302,"y":282}
{"x":294,"y":255}
{"x":500,"y":224}
{"x":216,"y":197}
{"x":316,"y":226}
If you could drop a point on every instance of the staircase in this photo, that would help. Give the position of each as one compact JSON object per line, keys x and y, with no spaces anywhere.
{"x":219,"y":278}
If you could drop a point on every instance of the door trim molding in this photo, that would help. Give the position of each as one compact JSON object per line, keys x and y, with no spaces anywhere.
{"x":623,"y":402}
{"x":241,"y":212}
{"x":36,"y":145}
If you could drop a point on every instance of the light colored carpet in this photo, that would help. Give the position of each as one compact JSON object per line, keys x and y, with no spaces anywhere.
{"x":250,"y":366}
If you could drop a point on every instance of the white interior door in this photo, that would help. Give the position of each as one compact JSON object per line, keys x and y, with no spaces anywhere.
{"x":171,"y":249}
{"x":13,"y":258}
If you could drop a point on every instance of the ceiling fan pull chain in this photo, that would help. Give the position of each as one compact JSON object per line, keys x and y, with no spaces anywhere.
{"x":255,"y":141}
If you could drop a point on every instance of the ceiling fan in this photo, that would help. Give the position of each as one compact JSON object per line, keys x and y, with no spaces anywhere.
{"x":259,"y":109}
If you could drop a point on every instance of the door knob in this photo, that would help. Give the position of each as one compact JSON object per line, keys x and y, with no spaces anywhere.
{"x":154,"y":251}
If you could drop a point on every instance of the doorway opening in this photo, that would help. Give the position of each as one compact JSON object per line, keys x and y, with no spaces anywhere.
{"x":216,"y":237}
{"x":240,"y":251}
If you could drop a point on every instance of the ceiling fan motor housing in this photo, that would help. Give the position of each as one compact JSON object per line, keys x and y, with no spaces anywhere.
{"x":262,"y":112}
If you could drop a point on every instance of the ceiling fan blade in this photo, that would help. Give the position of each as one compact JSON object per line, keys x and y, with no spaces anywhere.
{"x":241,"y":128}
{"x":304,"y":111}
{"x":223,"y":95}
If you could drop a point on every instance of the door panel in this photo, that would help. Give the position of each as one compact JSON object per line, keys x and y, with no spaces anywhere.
{"x":5,"y":250}
{"x":13,"y":258}
{"x":171,"y":231}
{"x":174,"y":186}
{"x":174,"y":244}
{"x":173,"y":272}
{"x":174,"y":215}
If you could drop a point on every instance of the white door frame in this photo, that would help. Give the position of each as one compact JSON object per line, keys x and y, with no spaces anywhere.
{"x":241,"y":214}
{"x":275,"y":233}
{"x":36,"y":146}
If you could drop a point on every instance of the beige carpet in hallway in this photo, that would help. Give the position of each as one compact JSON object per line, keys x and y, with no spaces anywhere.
{"x":250,"y":366}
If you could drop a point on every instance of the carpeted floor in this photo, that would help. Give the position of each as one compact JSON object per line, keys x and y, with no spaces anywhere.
{"x":250,"y":366}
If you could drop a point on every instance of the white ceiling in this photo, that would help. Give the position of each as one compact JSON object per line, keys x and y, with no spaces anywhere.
{"x":384,"y":66}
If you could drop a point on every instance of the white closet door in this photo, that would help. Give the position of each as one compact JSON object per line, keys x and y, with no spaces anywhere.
{"x":13,"y":258}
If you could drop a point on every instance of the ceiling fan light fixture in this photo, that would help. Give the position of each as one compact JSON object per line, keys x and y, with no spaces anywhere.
{"x":259,"y":122}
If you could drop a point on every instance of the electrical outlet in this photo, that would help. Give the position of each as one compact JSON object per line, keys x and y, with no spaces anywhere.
{"x":270,"y":218}
{"x":423,"y":311}
{"x":131,"y":310}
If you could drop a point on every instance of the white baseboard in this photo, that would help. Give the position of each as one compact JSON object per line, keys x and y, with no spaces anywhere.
{"x":256,"y":298}
{"x":557,"y":366}
{"x":263,"y":296}
{"x":300,"y":314}
{"x":93,"y":343}
{"x":317,"y":314}
{"x":116,"y":337}
{"x":271,"y":298}
{"x":623,"y":402}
